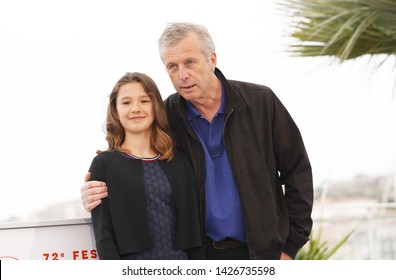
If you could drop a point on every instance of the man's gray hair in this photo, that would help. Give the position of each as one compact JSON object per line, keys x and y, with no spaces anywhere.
{"x":176,"y":31}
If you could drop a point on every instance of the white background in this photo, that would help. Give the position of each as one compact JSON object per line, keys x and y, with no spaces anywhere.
{"x":60,"y":59}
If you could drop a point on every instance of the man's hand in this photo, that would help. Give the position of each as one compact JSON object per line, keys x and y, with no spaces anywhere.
{"x":92,"y":193}
{"x":285,"y":257}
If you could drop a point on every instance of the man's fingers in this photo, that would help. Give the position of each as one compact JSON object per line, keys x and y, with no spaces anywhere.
{"x":91,"y":201}
{"x":92,"y":193}
{"x":285,"y":256}
{"x":91,"y":189}
{"x":91,"y":205}
{"x":92,"y":185}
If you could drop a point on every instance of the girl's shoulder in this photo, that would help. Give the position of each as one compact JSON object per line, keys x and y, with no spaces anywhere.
{"x":180,"y":158}
{"x":109,"y":155}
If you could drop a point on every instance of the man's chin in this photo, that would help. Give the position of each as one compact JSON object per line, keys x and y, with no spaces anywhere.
{"x":188,"y":95}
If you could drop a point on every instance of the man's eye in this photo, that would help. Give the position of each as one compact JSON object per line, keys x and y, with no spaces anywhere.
{"x":172,"y":68}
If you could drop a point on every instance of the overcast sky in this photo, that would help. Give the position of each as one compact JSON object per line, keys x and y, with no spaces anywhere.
{"x":60,"y":59}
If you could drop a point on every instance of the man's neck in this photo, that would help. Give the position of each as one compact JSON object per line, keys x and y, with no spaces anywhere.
{"x":209,"y":105}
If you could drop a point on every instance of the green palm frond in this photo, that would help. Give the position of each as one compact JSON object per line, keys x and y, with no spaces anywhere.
{"x":316,"y":249}
{"x":342,"y":28}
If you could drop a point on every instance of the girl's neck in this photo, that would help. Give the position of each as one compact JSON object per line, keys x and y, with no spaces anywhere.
{"x":139,"y":146}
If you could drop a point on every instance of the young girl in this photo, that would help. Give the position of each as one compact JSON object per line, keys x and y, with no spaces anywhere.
{"x":151,"y":211}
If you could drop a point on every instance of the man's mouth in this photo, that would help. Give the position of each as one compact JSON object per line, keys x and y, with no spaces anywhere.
{"x":188,"y":87}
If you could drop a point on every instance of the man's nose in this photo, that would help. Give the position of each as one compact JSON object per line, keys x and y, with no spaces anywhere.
{"x":183,"y":73}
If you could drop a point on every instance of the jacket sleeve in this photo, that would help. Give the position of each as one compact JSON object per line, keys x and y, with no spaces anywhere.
{"x":295,"y":174}
{"x":101,"y":217}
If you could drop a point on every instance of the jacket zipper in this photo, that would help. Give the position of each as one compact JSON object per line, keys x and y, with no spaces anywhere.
{"x":225,"y":122}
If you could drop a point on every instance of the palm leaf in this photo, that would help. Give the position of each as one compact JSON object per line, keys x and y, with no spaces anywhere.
{"x":316,"y":249}
{"x":345,"y":29}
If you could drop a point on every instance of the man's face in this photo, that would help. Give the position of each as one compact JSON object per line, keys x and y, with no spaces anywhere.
{"x":191,"y":72}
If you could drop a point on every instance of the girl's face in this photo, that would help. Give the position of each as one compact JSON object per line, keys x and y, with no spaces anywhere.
{"x":135,"y":109}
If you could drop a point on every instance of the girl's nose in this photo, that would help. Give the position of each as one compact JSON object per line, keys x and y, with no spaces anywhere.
{"x":135,"y":107}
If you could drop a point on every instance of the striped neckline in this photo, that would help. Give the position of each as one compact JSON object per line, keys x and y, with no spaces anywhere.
{"x":151,"y":159}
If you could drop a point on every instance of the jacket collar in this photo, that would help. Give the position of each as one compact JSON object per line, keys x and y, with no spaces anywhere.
{"x":234,"y":100}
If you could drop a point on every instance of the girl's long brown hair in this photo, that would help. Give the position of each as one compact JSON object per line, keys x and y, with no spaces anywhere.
{"x":161,"y":141}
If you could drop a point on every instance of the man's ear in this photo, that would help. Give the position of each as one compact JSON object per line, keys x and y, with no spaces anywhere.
{"x":213,"y":60}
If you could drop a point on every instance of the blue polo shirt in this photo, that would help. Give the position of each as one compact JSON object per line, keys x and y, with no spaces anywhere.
{"x":223,"y":207}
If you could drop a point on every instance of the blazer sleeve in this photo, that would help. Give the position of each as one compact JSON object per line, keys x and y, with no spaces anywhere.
{"x":106,"y":243}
